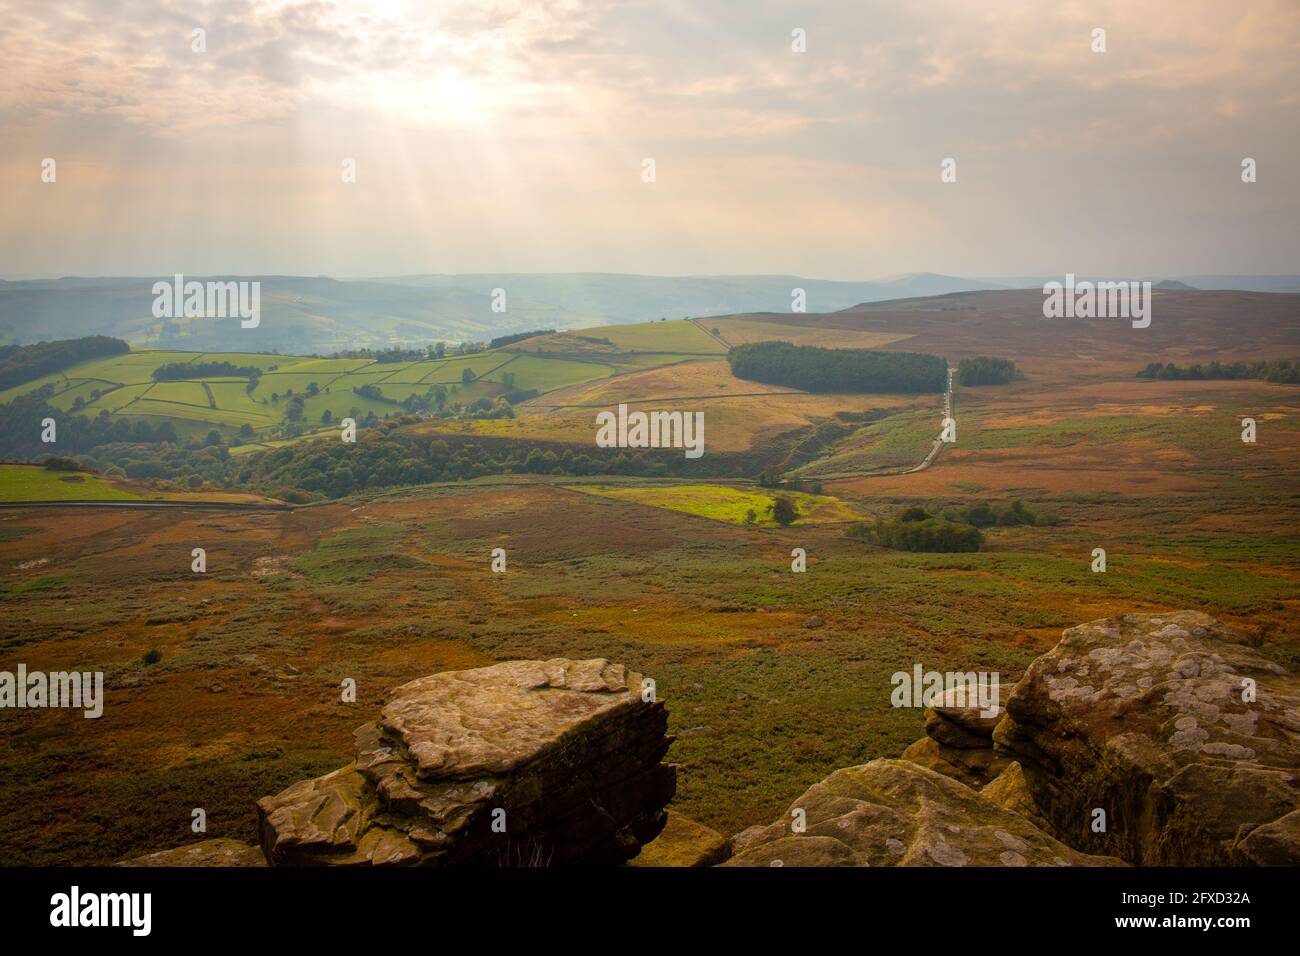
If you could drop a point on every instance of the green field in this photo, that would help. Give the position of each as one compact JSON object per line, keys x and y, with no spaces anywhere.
{"x":674,"y":336}
{"x":33,"y":483}
{"x":725,"y":503}
{"x":124,"y":386}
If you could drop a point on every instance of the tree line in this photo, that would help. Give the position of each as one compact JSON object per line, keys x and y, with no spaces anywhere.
{"x":815,"y":369}
{"x":983,"y":370}
{"x":26,"y":363}
{"x":1285,"y":371}
{"x":501,"y":340}
{"x":178,"y":371}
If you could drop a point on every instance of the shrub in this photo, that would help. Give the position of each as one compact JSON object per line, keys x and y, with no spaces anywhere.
{"x":61,"y":463}
{"x":927,"y":534}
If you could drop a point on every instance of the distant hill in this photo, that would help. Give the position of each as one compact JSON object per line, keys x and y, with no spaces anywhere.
{"x":1237,"y":283}
{"x":299,"y":315}
{"x":321,"y":315}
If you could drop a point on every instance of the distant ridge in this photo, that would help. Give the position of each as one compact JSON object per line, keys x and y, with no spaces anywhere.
{"x":320,"y":314}
{"x":1236,"y":283}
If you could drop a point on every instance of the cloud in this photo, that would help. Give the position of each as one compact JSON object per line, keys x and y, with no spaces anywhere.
{"x":523,"y":112}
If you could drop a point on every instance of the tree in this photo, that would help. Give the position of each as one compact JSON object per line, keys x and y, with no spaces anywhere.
{"x":467,"y":375}
{"x":214,"y":438}
{"x":246,"y":432}
{"x":327,"y":416}
{"x":750,"y":516}
{"x":783,"y":510}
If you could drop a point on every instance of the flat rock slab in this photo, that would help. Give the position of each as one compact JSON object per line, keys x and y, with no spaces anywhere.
{"x":1184,"y":736}
{"x":897,"y":813}
{"x":525,"y":763}
{"x":490,"y":720}
{"x":215,"y":852}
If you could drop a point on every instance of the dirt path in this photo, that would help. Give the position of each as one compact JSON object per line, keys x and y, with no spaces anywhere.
{"x":717,"y":338}
{"x":925,"y":462}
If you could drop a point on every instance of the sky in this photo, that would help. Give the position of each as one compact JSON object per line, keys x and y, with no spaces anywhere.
{"x":514,"y":135}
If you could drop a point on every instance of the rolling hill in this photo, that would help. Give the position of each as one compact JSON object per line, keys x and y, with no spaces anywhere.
{"x":323,"y":315}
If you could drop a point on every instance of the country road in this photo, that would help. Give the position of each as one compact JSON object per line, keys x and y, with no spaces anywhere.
{"x":935,"y":448}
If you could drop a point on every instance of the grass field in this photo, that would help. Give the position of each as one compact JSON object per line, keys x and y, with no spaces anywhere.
{"x":726,"y":503}
{"x":386,"y":588}
{"x":739,"y":330}
{"x":33,"y":483}
{"x":678,"y":336}
{"x":126,"y":388}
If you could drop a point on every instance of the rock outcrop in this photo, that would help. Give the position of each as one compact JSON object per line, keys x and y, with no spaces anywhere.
{"x":959,"y":741}
{"x":1009,"y":790}
{"x":1185,"y":737}
{"x":526,"y":763}
{"x":897,"y":813}
{"x":215,"y":852}
{"x":683,"y":843}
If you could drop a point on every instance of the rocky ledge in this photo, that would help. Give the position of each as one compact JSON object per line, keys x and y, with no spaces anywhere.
{"x":898,"y":813}
{"x":1185,"y":738}
{"x":527,"y":763}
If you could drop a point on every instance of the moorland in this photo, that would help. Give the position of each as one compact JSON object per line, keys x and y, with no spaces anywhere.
{"x":223,"y":686}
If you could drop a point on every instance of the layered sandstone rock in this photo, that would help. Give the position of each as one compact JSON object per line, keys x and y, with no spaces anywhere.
{"x":527,"y":763}
{"x":1186,"y":738}
{"x":683,"y":843}
{"x":959,"y":740}
{"x":1010,"y":791}
{"x":897,"y":813}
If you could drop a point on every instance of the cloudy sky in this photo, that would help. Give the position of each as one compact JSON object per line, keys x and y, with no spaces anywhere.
{"x":511,"y":135}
